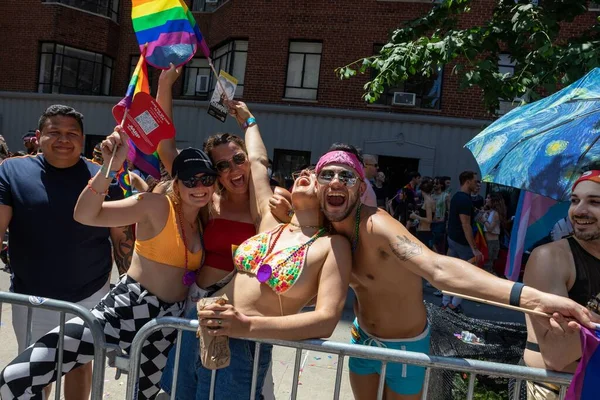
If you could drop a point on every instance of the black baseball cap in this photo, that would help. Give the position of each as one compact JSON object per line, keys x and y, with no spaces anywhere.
{"x":190,"y":162}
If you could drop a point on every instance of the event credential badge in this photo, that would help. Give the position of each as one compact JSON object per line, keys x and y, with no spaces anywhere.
{"x":216,"y":108}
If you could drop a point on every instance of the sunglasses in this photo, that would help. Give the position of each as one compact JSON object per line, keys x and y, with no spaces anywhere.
{"x":204,"y":180}
{"x":348,"y":178}
{"x":298,"y":174}
{"x":225,"y":165}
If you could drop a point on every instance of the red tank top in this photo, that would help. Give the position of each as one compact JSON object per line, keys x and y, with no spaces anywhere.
{"x":219,"y":236}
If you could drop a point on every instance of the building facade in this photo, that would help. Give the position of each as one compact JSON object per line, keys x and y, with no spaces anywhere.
{"x":283,"y":53}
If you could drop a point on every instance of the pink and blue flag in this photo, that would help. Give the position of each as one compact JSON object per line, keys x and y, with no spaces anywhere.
{"x":170,"y":31}
{"x":584,"y":385}
{"x":149,"y":163}
{"x":535,"y":217}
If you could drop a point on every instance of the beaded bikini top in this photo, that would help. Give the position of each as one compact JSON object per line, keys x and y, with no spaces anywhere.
{"x":281,"y":269}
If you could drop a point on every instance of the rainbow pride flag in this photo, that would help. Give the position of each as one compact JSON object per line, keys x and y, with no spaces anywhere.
{"x":170,"y":31}
{"x":149,"y":163}
{"x":124,"y":180}
{"x":139,"y":82}
{"x":584,"y":385}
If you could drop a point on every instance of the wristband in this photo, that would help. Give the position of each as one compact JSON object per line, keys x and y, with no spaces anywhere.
{"x":249,"y":122}
{"x":515,"y":294}
{"x":91,"y":189}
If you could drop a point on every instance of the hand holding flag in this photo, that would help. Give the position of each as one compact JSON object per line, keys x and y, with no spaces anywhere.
{"x":115,"y":144}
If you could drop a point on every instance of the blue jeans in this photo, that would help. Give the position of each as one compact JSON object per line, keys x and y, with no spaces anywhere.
{"x":463,"y":252}
{"x":233,"y":382}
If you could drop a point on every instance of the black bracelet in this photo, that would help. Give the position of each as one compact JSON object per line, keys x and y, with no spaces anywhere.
{"x":515,"y":294}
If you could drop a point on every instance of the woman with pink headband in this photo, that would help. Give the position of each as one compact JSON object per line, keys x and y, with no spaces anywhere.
{"x":279,"y":271}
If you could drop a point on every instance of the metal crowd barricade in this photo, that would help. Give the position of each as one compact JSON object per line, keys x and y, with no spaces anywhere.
{"x":342,"y":350}
{"x":64,"y":308}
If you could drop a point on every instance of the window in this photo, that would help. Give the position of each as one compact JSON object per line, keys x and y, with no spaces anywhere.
{"x":304,"y":64}
{"x":287,"y":161}
{"x":507,"y":66}
{"x":151,"y":72}
{"x":427,"y":91}
{"x":69,"y":70}
{"x":108,"y":8}
{"x":231,"y":58}
{"x":206,"y":5}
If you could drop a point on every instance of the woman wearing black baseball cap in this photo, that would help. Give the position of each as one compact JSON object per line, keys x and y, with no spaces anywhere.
{"x":168,"y":253}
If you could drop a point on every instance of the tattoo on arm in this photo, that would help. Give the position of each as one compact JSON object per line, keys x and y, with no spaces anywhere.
{"x":123,"y":250}
{"x":405,"y":249}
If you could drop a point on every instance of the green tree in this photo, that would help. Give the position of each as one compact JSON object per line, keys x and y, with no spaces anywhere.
{"x":545,"y":60}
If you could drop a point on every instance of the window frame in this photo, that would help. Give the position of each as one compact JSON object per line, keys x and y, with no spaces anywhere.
{"x":112,"y":9}
{"x":279,"y":152}
{"x":418,"y":96}
{"x":206,"y":8}
{"x":229,"y":55}
{"x":287,"y":70}
{"x":54,"y":54}
{"x":505,"y":106}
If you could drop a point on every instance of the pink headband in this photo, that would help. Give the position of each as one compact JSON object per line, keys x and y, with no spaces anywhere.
{"x":341,"y":157}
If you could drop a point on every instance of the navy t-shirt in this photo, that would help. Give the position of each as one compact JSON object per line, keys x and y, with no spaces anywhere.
{"x":460,"y":204}
{"x":52,"y":255}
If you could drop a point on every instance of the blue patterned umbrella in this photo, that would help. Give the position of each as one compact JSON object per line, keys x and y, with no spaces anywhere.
{"x":542,"y":146}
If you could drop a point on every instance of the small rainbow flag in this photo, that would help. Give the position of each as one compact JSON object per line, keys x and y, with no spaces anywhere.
{"x":138,"y":83}
{"x":124,"y":180}
{"x":149,"y":163}
{"x":170,"y":31}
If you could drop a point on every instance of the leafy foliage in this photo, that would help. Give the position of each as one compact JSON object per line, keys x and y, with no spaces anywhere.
{"x":545,"y":61}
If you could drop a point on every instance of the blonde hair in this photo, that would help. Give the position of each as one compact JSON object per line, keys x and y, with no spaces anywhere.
{"x":172,"y":192}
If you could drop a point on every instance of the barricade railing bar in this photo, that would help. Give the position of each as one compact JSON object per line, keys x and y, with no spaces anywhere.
{"x":63,"y":308}
{"x":342,"y":350}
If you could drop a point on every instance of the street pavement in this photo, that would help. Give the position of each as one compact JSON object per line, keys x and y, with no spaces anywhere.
{"x":317,"y":375}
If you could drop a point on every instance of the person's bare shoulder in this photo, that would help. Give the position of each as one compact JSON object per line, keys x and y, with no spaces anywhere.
{"x":550,"y":266}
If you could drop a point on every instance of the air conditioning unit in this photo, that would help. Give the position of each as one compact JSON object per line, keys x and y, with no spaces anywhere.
{"x":202,"y":82}
{"x":212,"y":1}
{"x":404,"y":99}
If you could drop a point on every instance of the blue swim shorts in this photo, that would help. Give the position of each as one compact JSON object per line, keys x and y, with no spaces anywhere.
{"x":400,"y":378}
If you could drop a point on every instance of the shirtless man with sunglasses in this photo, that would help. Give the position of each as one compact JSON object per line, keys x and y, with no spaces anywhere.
{"x":388,"y":267}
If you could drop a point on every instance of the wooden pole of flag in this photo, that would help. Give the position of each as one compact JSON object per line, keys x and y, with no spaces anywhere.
{"x":212,"y":67}
{"x":493,"y":303}
{"x":112,"y":157}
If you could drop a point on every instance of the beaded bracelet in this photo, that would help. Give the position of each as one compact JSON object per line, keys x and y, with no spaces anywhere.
{"x":91,"y":189}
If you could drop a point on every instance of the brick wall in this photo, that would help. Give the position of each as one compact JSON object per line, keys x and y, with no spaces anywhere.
{"x":348,"y":30}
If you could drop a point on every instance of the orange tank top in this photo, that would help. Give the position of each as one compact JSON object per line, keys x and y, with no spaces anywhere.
{"x":167,"y":247}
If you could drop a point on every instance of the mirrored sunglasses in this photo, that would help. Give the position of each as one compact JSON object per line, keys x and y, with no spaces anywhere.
{"x":225,"y":165}
{"x":348,"y":178}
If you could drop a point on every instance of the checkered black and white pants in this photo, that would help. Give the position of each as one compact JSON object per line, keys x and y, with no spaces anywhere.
{"x":124,"y":310}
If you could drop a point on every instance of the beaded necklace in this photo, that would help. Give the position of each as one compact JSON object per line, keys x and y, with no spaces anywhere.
{"x":265,"y":271}
{"x":190,"y":276}
{"x":356,"y":228}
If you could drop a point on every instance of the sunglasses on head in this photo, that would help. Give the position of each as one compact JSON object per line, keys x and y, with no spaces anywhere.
{"x":348,"y":178}
{"x":224,"y":165}
{"x":204,"y":180}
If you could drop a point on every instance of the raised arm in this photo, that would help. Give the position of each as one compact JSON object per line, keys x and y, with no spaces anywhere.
{"x":455,"y":275}
{"x":167,"y":149}
{"x":260,"y":186}
{"x":547,"y":271}
{"x":320,"y":323}
{"x":92,"y":210}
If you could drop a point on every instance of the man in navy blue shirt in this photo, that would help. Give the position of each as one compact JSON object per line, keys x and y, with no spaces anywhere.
{"x":51,"y":255}
{"x":461,"y":242}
